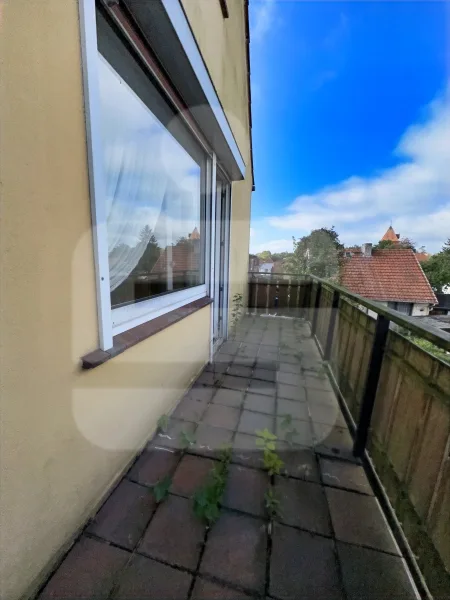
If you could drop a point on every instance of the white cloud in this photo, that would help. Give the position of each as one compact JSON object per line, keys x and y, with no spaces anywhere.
{"x":263,"y":13}
{"x":273,"y":246}
{"x":415,"y":194}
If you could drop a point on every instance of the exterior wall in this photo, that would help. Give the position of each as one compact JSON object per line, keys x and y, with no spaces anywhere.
{"x":67,"y":434}
{"x":221,"y":44}
{"x":265,"y":268}
{"x":420,"y":310}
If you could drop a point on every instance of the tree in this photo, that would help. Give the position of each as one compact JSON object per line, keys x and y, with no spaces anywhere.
{"x":316,"y":254}
{"x":401,"y":244}
{"x":437,"y":269}
{"x":280,"y":255}
{"x":264,"y":255}
{"x":150,"y":254}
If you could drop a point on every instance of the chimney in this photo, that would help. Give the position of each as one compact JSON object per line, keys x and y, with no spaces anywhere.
{"x":366,"y":250}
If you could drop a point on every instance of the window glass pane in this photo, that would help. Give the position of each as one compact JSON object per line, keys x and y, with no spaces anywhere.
{"x":154,"y":191}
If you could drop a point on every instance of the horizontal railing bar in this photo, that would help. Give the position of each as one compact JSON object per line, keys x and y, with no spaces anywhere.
{"x":439,"y":338}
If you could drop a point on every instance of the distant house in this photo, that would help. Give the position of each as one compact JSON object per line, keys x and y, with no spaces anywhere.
{"x":253,"y":263}
{"x":352,"y":251}
{"x":422,"y":256}
{"x":393,"y":277}
{"x":266,"y":266}
{"x":443,"y":305}
{"x":277,"y":266}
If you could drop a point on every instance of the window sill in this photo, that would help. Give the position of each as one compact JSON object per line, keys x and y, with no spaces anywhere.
{"x":127,"y":339}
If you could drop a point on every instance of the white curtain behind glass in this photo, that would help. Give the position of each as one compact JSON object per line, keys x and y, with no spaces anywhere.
{"x":147,"y":173}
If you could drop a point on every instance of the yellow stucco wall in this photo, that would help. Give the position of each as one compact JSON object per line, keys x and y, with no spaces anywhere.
{"x":221,"y":44}
{"x":67,"y":434}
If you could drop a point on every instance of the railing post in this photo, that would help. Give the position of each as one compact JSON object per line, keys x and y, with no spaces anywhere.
{"x":316,"y":308}
{"x":332,"y":325}
{"x":370,"y":389}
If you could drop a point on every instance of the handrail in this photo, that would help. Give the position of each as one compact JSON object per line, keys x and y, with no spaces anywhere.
{"x":439,"y":338}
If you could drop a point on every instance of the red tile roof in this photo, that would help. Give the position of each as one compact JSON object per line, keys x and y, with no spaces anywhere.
{"x":185,"y":257}
{"x":390,"y":235}
{"x":389,"y":275}
{"x":422,"y":256}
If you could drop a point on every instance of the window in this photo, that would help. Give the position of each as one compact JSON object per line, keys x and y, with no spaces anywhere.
{"x":402,"y":307}
{"x":152,"y":162}
{"x":155,"y":190}
{"x":155,"y":220}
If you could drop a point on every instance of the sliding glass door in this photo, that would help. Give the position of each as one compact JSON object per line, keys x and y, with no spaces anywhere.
{"x":221,"y":250}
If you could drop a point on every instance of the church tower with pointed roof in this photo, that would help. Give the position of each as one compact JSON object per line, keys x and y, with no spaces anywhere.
{"x":391,"y":236}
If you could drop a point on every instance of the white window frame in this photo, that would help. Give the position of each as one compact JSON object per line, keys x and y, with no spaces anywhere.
{"x":113,"y":321}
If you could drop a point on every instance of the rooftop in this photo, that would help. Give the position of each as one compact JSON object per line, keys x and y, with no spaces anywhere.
{"x":390,"y":235}
{"x":388,"y":275}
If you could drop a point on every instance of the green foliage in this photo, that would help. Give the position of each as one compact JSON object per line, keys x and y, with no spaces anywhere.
{"x":163,"y":423}
{"x":237,"y":304}
{"x":272,"y":503}
{"x":316,"y":254}
{"x":402,"y":244}
{"x":267,"y":442}
{"x":437,"y":268}
{"x":186,"y":439}
{"x":428,"y":346}
{"x":322,"y":371}
{"x":207,"y":499}
{"x":290,"y":430}
{"x":264,"y":255}
{"x":151,"y":253}
{"x":286,"y":422}
{"x":161,"y":489}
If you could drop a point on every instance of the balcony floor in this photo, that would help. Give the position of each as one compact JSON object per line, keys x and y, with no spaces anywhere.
{"x":330,"y":540}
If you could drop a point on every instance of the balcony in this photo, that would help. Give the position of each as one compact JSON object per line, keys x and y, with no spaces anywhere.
{"x":355,"y":421}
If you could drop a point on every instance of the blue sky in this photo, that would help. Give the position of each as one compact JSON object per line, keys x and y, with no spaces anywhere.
{"x":351,"y":120}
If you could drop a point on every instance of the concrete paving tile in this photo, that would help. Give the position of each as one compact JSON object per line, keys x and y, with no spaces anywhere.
{"x":342,"y":474}
{"x":218,"y":415}
{"x":374,"y":575}
{"x":146,"y":579}
{"x":245,"y":490}
{"x":251,"y":422}
{"x":174,"y":535}
{"x":234,"y":398}
{"x":260,"y":403}
{"x":303,"y":504}
{"x":236,"y":551}
{"x":303,"y":566}
{"x":153,"y":465}
{"x":192,"y":472}
{"x":357,"y":519}
{"x":90,"y":570}
{"x":124,"y":516}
